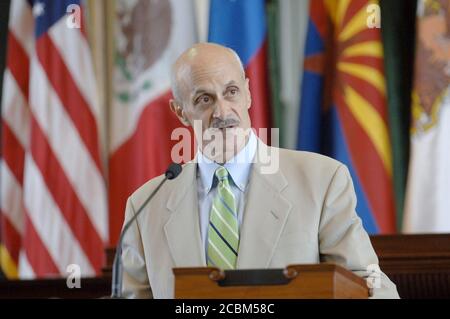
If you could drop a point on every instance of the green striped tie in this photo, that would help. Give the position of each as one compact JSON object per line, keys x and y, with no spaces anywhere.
{"x":223,"y":233}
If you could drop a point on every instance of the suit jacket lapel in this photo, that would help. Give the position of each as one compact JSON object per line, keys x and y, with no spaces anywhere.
{"x":182,"y":229}
{"x":264,"y":218}
{"x":265,"y":215}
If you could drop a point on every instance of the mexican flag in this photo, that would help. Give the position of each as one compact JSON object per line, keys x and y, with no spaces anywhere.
{"x":150,"y":35}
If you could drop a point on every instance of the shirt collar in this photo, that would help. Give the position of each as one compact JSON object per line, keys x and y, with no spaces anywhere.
{"x":238,"y":167}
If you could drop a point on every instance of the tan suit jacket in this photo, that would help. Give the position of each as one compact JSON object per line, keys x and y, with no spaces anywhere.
{"x":303,"y":213}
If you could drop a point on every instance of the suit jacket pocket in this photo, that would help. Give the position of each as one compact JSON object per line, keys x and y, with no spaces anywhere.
{"x":296,"y":247}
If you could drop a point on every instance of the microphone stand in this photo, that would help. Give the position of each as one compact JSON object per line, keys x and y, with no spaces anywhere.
{"x":117,"y":269}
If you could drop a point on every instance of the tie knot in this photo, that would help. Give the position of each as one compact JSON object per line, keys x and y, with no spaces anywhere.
{"x":222,"y":174}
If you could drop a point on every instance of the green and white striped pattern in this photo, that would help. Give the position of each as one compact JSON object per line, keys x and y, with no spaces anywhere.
{"x":223,"y":233}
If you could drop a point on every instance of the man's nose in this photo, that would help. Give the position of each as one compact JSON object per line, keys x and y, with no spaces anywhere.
{"x":221,"y":109}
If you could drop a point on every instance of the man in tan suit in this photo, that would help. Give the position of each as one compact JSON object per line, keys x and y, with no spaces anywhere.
{"x":231,"y":207}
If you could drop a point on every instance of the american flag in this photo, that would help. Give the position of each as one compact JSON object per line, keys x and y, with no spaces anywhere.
{"x":53,"y":194}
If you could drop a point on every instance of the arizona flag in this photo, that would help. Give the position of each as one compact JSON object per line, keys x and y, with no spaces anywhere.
{"x":343,"y":109}
{"x":150,"y":35}
{"x":241,"y":25}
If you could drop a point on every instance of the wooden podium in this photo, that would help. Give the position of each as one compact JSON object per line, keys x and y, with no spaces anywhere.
{"x":321,"y":281}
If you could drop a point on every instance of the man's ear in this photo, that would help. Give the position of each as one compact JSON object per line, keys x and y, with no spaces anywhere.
{"x":249,"y":95}
{"x":179,"y":112}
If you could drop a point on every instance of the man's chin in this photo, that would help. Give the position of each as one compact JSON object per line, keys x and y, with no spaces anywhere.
{"x":227,"y":142}
{"x":216,"y":151}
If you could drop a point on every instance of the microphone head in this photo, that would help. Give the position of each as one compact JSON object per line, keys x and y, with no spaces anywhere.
{"x":173,"y":171}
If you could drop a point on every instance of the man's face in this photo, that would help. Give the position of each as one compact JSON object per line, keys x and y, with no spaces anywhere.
{"x":216,"y":93}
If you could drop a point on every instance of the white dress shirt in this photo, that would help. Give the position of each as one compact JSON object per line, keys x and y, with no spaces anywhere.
{"x":239,"y":171}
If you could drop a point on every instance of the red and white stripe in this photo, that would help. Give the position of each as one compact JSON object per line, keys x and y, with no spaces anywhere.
{"x":53,"y":192}
{"x":15,"y":134}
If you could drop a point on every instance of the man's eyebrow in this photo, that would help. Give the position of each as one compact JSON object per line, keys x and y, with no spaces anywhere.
{"x":199,"y":91}
{"x":202,"y":90}
{"x":232,"y":82}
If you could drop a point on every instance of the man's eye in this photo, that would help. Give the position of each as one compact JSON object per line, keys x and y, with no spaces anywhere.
{"x":233,"y":91}
{"x":203,"y":99}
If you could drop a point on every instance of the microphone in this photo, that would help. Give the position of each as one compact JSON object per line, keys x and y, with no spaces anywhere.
{"x":116,"y":286}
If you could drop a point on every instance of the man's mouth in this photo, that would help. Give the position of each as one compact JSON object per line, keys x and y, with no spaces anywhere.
{"x":225,"y":127}
{"x":224,"y":124}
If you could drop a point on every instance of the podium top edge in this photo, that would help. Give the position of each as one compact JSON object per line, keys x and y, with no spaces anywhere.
{"x":290,"y":269}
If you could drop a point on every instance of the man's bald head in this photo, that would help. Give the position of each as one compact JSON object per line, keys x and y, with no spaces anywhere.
{"x":212,"y":95}
{"x":201,"y":55}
